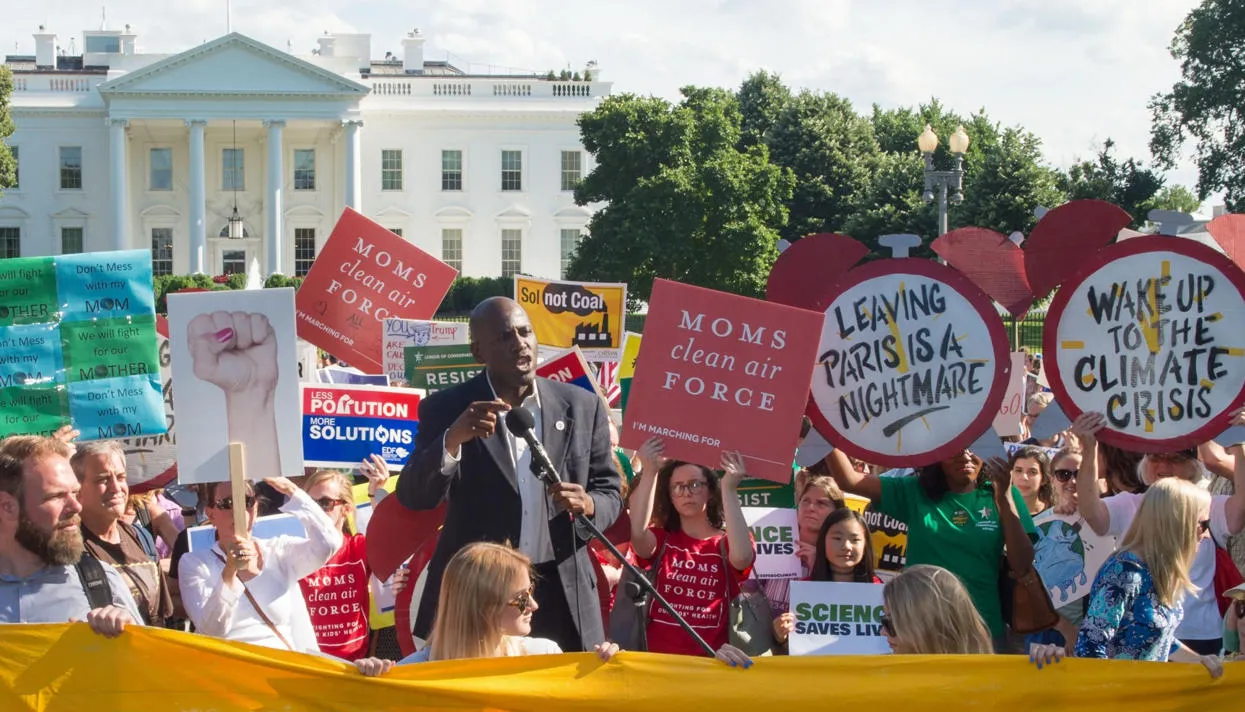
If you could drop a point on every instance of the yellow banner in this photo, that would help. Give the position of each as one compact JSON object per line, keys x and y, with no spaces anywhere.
{"x":590,"y":315}
{"x":50,"y":668}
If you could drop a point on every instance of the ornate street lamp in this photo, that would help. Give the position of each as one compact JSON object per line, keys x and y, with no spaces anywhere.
{"x":943,"y":181}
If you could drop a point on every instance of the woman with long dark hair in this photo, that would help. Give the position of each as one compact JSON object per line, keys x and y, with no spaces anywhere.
{"x":959,"y":515}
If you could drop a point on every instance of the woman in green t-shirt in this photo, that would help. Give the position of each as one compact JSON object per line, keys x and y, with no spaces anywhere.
{"x":958,"y":518}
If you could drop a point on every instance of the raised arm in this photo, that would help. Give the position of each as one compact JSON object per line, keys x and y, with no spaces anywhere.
{"x":1235,"y":508}
{"x":1019,"y":545}
{"x":651,"y":460}
{"x":858,"y":483}
{"x":302,"y":557}
{"x":737,"y":536}
{"x":1088,"y":501}
{"x":210,"y":598}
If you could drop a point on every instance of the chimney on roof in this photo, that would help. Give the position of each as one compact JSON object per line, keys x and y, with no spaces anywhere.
{"x":413,"y":52}
{"x":326,"y":44}
{"x":45,"y":49}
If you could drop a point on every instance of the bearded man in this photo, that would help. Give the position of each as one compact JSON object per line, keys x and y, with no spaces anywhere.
{"x":44,"y":577}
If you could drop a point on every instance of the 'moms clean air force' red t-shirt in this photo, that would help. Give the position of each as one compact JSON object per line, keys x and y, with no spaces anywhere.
{"x":338,"y":599}
{"x":693,"y":577}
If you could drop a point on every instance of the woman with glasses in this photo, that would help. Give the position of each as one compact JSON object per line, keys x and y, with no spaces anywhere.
{"x":485,"y":609}
{"x":246,"y":589}
{"x":337,"y":595}
{"x":1137,"y":601}
{"x":690,"y":529}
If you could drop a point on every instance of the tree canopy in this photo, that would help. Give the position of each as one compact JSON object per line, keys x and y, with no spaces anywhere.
{"x":1204,"y":106}
{"x":8,"y":165}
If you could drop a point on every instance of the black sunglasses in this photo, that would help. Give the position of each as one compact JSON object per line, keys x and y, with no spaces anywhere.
{"x":888,"y":624}
{"x":1065,"y":475}
{"x":328,"y":504}
{"x":523,"y":601}
{"x":226,"y":503}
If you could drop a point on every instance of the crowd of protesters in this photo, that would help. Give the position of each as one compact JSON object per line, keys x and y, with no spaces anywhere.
{"x":76,"y":545}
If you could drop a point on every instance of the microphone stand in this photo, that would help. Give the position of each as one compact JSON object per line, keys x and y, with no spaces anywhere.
{"x":585,"y":525}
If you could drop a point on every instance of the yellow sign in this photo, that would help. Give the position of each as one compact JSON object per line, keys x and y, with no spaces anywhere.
{"x":631,"y":350}
{"x":889,"y":536}
{"x":589,"y":315}
{"x":55,"y":668}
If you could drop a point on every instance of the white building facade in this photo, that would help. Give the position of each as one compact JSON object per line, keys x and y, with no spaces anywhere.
{"x":121,"y":150}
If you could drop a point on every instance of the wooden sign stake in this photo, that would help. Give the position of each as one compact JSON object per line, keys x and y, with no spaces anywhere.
{"x":237,"y":488}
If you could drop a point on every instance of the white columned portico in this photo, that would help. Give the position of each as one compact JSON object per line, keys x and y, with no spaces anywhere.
{"x":120,"y":202}
{"x":275,"y":203}
{"x":354,"y":173}
{"x":198,"y":197}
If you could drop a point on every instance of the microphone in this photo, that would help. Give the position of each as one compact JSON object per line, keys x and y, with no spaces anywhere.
{"x":520,"y":423}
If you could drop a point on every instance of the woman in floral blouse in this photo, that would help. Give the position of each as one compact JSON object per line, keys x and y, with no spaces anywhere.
{"x":1135,"y":604}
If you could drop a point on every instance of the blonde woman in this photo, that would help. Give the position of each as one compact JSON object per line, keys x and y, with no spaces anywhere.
{"x":485,"y":609}
{"x":927,"y":611}
{"x":337,"y":595}
{"x":1136,"y":601}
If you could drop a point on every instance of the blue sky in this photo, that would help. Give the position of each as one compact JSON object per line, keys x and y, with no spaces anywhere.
{"x":1073,"y":71}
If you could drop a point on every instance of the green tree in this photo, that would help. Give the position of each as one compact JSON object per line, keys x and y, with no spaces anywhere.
{"x":8,"y":166}
{"x":832,"y":153}
{"x":1128,"y":184}
{"x":762,"y":97}
{"x":1205,"y":105}
{"x":1175,"y":197}
{"x":682,"y":200}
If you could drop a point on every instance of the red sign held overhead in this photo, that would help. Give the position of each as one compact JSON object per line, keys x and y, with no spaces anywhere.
{"x":364,"y":275}
{"x":721,"y":372}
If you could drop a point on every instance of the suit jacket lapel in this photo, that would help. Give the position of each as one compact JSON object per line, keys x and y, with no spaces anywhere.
{"x":495,"y":445}
{"x":554,"y":412}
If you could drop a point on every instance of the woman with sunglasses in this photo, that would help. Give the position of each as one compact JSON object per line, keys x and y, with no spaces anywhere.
{"x":1201,"y":627}
{"x":485,"y":609}
{"x":1137,"y":601}
{"x":337,"y":595}
{"x":245,"y":589}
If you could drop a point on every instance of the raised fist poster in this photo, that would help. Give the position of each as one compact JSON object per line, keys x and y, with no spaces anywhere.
{"x":1148,"y":333}
{"x":364,"y":275}
{"x":589,"y":315}
{"x":235,"y":370}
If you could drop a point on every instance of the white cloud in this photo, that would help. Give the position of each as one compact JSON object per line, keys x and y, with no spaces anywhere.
{"x":1072,"y":71}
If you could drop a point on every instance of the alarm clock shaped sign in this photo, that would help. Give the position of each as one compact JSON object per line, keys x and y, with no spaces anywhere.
{"x":913,"y":360}
{"x":1148,"y":333}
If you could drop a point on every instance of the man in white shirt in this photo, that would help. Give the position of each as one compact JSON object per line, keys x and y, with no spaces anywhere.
{"x":1201,"y":629}
{"x":41,"y":577}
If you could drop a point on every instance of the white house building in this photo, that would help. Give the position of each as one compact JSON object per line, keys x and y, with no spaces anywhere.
{"x":118,"y":149}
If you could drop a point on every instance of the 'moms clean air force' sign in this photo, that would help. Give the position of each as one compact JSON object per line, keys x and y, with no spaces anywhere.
{"x":1149,"y":334}
{"x":913,"y":363}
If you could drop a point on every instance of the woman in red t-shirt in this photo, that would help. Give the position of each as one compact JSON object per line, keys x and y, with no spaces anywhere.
{"x":338,"y":595}
{"x":699,"y":566}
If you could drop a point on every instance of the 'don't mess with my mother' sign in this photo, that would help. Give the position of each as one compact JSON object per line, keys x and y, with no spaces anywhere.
{"x":718,"y":371}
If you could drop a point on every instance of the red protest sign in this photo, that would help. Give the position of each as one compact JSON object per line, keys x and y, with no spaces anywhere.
{"x":364,"y":275}
{"x":570,"y":367}
{"x":721,"y":372}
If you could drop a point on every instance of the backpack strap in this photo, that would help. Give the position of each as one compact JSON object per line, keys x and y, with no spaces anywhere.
{"x":94,"y":581}
{"x":145,"y":540}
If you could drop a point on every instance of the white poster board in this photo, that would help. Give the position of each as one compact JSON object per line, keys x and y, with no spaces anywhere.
{"x":1007,"y":422}
{"x":1067,"y":555}
{"x":837,"y":619}
{"x":235,"y":372}
{"x":776,"y":540}
{"x":401,"y":333}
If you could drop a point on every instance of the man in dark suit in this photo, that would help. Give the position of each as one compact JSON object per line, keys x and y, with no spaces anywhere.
{"x":465,"y":456}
